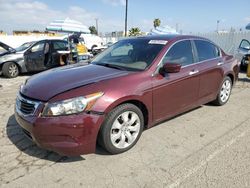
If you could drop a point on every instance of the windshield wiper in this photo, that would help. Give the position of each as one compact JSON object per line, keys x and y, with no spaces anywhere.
{"x":111,"y":66}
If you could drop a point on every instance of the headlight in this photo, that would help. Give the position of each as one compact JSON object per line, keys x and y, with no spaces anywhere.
{"x":71,"y":106}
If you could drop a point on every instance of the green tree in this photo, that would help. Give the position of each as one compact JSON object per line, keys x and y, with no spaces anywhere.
{"x":157,"y":22}
{"x":93,"y":30}
{"x":134,"y":31}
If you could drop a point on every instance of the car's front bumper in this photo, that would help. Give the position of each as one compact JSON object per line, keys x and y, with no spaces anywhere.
{"x":71,"y":135}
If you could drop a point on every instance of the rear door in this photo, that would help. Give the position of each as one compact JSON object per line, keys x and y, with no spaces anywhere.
{"x":34,"y":57}
{"x":210,"y":65}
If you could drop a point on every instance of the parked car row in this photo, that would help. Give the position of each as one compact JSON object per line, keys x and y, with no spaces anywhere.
{"x":131,"y":86}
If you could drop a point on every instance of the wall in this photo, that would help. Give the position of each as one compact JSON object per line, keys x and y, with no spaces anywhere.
{"x":229,"y":42}
{"x":15,"y":41}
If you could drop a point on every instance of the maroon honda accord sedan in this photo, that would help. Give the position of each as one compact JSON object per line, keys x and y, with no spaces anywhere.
{"x":131,"y":86}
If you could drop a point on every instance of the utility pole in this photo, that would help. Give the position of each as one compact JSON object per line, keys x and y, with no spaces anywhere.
{"x":126,"y":18}
{"x":177,"y":27}
{"x":96,"y":25}
{"x":217,"y":28}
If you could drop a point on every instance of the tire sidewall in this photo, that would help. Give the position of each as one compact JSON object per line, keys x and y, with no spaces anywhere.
{"x":5,"y":69}
{"x":107,"y":125}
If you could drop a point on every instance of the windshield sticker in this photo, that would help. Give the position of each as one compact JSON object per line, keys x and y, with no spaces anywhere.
{"x":162,"y":42}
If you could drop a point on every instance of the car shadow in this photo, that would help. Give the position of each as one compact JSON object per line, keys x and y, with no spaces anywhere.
{"x":17,"y":137}
{"x":247,"y":80}
{"x":176,"y":116}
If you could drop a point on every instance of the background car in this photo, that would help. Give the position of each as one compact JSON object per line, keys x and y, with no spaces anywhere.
{"x":32,"y":57}
{"x":243,"y":53}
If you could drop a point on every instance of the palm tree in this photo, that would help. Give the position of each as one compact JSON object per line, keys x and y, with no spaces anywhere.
{"x":157,"y":22}
{"x":134,"y":31}
{"x":93,"y":30}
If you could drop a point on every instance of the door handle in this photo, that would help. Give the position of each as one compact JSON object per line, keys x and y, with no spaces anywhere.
{"x":193,"y":72}
{"x":220,"y":63}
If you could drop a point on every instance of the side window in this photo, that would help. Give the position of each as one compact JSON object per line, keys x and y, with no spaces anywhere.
{"x":38,"y":47}
{"x":180,"y":53}
{"x":206,"y":50}
{"x":245,"y":44}
{"x":60,"y":45}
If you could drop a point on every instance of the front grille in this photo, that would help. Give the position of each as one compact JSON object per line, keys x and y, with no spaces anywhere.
{"x":26,"y":106}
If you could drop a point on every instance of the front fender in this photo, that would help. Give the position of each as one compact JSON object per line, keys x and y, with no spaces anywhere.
{"x":106,"y":104}
{"x":21,"y":65}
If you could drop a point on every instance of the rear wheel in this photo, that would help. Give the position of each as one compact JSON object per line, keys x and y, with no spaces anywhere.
{"x":10,"y":70}
{"x":121,"y":129}
{"x":243,"y":65}
{"x":225,"y":92}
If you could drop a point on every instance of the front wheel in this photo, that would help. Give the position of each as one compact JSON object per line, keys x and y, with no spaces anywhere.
{"x":225,"y":92}
{"x":10,"y":70}
{"x":121,"y":129}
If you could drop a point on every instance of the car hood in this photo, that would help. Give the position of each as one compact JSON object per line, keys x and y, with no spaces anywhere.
{"x":48,"y":84}
{"x":11,"y":57}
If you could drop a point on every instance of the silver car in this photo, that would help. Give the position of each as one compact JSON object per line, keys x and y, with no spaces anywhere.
{"x":11,"y":59}
{"x":33,"y":57}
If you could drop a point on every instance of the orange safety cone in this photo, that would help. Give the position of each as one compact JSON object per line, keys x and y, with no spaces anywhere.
{"x":248,"y":67}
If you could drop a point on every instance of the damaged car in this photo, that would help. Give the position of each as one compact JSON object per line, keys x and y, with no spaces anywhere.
{"x":33,"y":56}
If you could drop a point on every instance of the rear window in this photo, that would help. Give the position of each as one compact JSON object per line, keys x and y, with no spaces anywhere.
{"x":206,"y":50}
{"x":60,"y":45}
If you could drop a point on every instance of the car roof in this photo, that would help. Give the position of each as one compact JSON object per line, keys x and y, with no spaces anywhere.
{"x":51,"y":40}
{"x":171,"y":37}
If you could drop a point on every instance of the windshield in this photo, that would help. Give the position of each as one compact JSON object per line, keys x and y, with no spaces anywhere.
{"x":130,"y":54}
{"x":24,"y":46}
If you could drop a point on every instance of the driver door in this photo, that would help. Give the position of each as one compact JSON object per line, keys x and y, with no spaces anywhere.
{"x":174,"y":93}
{"x":243,"y":49}
{"x":34,"y":57}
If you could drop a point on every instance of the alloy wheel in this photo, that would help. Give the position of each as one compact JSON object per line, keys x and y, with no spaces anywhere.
{"x":225,"y":91}
{"x":13,"y":70}
{"x":125,"y":129}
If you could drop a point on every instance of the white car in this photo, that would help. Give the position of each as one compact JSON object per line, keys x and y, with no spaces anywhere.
{"x":92,"y":41}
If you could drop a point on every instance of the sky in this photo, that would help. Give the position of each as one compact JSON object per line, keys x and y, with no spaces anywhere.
{"x":191,"y":16}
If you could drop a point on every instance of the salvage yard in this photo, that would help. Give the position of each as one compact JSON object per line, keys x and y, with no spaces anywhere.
{"x":206,"y":147}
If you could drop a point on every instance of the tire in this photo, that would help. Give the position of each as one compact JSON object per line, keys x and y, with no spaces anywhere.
{"x":225,"y":92}
{"x":92,"y":48}
{"x":243,"y":66}
{"x":125,"y":133}
{"x":10,"y":70}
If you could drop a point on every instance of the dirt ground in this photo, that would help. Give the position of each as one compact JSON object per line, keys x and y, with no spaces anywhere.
{"x":206,"y":147}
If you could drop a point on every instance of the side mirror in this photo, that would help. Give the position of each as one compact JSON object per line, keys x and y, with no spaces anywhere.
{"x":12,"y":50}
{"x":170,"y":68}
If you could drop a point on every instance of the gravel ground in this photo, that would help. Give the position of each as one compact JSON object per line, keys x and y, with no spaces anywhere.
{"x":206,"y":147}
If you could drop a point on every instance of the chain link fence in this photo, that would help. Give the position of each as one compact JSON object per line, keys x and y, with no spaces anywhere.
{"x":229,"y":42}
